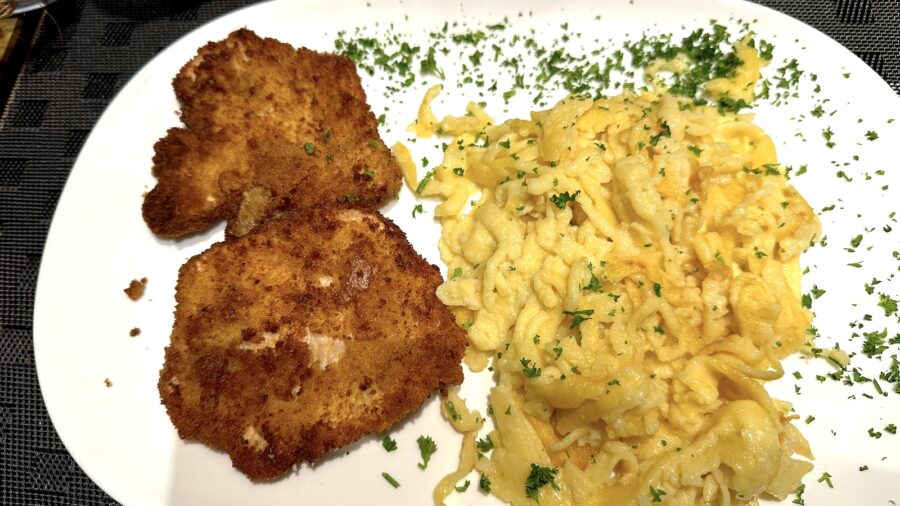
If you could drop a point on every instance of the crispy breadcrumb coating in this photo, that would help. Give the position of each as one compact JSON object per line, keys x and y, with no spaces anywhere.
{"x":311,"y":331}
{"x":289,"y":126}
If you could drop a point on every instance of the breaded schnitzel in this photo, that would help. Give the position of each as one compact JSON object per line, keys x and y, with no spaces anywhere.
{"x":302,"y":336}
{"x":289,"y":126}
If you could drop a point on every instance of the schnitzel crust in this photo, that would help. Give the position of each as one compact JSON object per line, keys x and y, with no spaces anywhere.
{"x":258,"y":113}
{"x":311,"y":331}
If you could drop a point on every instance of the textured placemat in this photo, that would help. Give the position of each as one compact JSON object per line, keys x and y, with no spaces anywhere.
{"x":84,"y":53}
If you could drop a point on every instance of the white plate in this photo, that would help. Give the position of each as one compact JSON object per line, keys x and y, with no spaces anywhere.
{"x":98,"y":242}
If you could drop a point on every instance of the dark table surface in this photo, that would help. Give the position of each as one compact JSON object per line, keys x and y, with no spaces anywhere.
{"x":83,"y":53}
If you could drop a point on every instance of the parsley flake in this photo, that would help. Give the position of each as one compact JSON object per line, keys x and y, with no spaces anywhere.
{"x":427,"y":447}
{"x":579,"y":316}
{"x":561,"y":200}
{"x":529,"y":369}
{"x":665,"y":132}
{"x":656,"y":494}
{"x":390,"y":479}
{"x":485,"y":444}
{"x":484,"y":484}
{"x":887,"y":303}
{"x":538,"y":478}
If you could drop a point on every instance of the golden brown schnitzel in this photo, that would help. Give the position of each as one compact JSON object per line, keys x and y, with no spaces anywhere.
{"x":314,"y":329}
{"x":287,"y":128}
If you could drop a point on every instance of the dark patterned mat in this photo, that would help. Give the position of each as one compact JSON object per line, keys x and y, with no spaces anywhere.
{"x":83,"y":55}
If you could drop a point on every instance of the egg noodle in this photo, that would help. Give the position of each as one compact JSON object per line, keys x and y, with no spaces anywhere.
{"x":630,"y":271}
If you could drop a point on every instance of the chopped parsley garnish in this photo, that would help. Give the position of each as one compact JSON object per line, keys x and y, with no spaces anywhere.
{"x":728,"y":104}
{"x":806,"y":301}
{"x":310,"y":148}
{"x":424,"y":182}
{"x":656,"y":494}
{"x":538,"y":478}
{"x":427,"y":448}
{"x":557,"y":351}
{"x":593,"y":285}
{"x":470,"y":38}
{"x":485,"y":444}
{"x":887,"y":303}
{"x":388,"y":443}
{"x":462,"y":488}
{"x":350,"y":197}
{"x":657,"y":289}
{"x":429,"y":65}
{"x":561,"y":200}
{"x":874,"y":344}
{"x":369,"y":173}
{"x":451,"y":410}
{"x":504,"y":144}
{"x":871,"y":135}
{"x":665,"y":132}
{"x":390,"y":479}
{"x":826,"y":478}
{"x":827,"y":134}
{"x":765,"y":49}
{"x":417,"y":210}
{"x":529,"y":369}
{"x":799,"y":492}
{"x":484,"y":484}
{"x":579,"y":316}
{"x":702,"y":48}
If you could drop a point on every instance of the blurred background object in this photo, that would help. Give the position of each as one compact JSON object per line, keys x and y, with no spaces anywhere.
{"x":17,"y":29}
{"x":18,"y":24}
{"x":13,"y":7}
